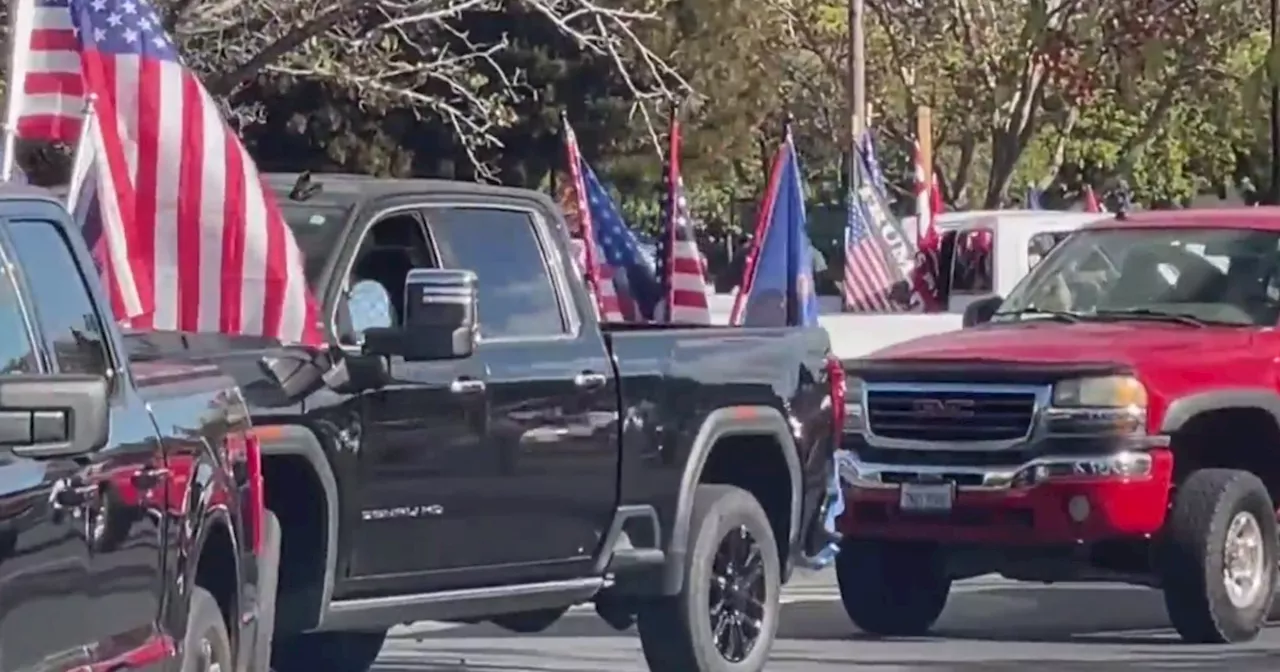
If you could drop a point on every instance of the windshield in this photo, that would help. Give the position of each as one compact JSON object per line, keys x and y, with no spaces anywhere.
{"x":1223,"y":276}
{"x":317,"y":228}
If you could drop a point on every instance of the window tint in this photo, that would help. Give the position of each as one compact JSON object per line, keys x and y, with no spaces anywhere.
{"x":60,"y":297}
{"x":517,"y":298}
{"x":16,"y":353}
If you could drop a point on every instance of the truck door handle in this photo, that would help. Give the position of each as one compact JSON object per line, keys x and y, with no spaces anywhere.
{"x":589,"y":381}
{"x":149,"y":477}
{"x":466,"y":386}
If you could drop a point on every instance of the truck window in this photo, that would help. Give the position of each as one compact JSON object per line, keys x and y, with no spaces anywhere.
{"x":16,"y":353}
{"x":63,"y":306}
{"x":1040,"y":244}
{"x":517,"y":297}
{"x":971,"y":268}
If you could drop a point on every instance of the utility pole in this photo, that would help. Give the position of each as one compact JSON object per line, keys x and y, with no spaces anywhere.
{"x":1273,"y":192}
{"x":857,"y":84}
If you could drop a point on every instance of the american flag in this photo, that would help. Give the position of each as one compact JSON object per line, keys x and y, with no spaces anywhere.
{"x":868,"y":278}
{"x":616,"y":271}
{"x":53,"y":88}
{"x":196,"y":243}
{"x":683,"y":297}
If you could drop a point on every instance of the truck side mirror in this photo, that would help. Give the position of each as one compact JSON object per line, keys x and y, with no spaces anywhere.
{"x":980,"y":311}
{"x":54,"y":416}
{"x":440,"y":318}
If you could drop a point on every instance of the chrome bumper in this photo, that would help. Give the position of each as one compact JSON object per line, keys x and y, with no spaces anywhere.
{"x":1129,"y":464}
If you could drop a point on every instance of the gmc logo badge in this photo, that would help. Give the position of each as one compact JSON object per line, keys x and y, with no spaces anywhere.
{"x":943,"y":408}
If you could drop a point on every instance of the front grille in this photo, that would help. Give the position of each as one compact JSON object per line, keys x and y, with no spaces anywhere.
{"x":946,"y":458}
{"x":950,"y":414}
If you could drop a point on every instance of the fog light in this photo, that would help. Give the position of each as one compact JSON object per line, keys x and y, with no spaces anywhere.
{"x":1078,"y":508}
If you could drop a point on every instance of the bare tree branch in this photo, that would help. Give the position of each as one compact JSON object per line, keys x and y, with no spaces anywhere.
{"x":411,"y":54}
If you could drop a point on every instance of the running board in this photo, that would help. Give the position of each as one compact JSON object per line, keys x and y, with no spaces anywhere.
{"x":377,"y":613}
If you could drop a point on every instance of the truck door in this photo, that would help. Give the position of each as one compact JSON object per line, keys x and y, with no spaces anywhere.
{"x":551,"y":459}
{"x":423,"y":434}
{"x":119,"y":518}
{"x":44,"y":553}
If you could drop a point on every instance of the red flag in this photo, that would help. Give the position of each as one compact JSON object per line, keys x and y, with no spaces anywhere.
{"x":195,"y":240}
{"x":924,"y":278}
{"x":1091,"y":203}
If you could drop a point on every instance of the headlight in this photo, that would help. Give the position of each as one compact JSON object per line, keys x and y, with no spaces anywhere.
{"x":854,"y":415}
{"x":1100,"y":392}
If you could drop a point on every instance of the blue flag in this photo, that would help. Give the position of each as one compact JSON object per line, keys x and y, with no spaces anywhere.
{"x":778,"y":285}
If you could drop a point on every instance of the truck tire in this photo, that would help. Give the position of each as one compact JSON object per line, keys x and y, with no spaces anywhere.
{"x":892,"y":588}
{"x":206,"y":642}
{"x":729,"y":536}
{"x":1217,"y":558}
{"x":328,"y":651}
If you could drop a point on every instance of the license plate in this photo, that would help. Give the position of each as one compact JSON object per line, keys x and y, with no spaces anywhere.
{"x":927,"y":497}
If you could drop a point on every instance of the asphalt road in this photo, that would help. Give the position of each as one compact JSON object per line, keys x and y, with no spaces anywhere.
{"x":989,"y":625}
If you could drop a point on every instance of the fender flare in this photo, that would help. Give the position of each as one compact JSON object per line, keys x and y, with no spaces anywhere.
{"x":299,"y":441}
{"x":721,"y":423}
{"x":1183,"y":410}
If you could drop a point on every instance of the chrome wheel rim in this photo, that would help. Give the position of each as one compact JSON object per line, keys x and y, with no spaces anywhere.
{"x":738,"y":595}
{"x":1244,"y":561}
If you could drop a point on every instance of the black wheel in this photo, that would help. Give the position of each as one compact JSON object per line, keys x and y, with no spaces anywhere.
{"x":892,"y":588}
{"x":1217,"y":562}
{"x":725,"y":617}
{"x":206,"y":647}
{"x":328,"y":651}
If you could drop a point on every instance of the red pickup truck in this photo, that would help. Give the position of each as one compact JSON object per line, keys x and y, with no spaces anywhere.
{"x":1116,"y":418}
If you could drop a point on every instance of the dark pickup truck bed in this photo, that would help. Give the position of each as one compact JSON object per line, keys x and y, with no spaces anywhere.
{"x":550,"y":462}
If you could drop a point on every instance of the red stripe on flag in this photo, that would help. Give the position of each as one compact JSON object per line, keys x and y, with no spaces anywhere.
{"x":99,"y":73}
{"x":277,"y":286}
{"x":53,"y":39}
{"x":232,"y":273}
{"x":191,"y":186}
{"x":147,"y":177}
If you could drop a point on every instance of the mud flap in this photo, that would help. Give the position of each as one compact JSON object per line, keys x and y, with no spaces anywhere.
{"x":268,"y":580}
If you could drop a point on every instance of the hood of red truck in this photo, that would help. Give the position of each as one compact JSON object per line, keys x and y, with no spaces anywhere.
{"x":1132,"y":343}
{"x":1172,"y":360}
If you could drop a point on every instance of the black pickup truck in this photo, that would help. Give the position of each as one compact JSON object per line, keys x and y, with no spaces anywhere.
{"x":133,"y":533}
{"x":486,"y":450}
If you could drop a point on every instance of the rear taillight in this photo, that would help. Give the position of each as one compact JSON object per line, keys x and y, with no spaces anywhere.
{"x":255,"y":513}
{"x":836,"y":379}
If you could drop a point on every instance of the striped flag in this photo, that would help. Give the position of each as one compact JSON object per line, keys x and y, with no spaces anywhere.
{"x":53,"y":88}
{"x":868,"y":279}
{"x":617,"y":274}
{"x":196,"y":242}
{"x":924,"y":278}
{"x":683,"y":297}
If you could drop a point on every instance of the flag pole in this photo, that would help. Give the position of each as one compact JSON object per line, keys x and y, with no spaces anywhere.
{"x":83,"y":156}
{"x":21,"y":23}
